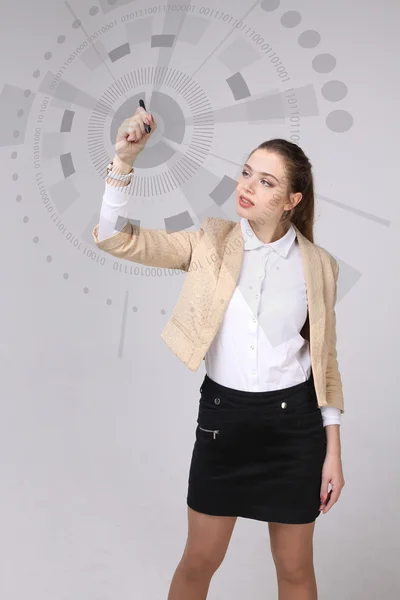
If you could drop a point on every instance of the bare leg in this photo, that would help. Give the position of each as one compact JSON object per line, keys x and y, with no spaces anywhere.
{"x":206,"y":546}
{"x":292,"y":551}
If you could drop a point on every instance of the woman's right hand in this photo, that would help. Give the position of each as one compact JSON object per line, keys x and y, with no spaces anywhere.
{"x":132,"y":137}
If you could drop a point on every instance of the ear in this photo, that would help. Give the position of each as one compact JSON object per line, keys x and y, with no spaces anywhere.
{"x":294,"y":200}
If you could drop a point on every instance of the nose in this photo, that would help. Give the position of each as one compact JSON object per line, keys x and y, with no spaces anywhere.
{"x":248,"y":186}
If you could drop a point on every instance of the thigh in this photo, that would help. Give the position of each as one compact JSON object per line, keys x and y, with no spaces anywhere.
{"x":208,"y":538}
{"x":291,"y":545}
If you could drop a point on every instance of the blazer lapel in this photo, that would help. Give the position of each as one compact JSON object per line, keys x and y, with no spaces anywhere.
{"x":313,"y":275}
{"x":228,"y":276}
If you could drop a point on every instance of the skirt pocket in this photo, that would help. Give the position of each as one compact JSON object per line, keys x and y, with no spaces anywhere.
{"x":214,"y":432}
{"x":217,"y":436}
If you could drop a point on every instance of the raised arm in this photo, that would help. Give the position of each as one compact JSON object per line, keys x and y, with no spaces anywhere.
{"x":151,"y":247}
{"x":113,"y":212}
{"x":115,"y":234}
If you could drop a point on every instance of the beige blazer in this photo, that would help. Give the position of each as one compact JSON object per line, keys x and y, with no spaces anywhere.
{"x":212,"y":258}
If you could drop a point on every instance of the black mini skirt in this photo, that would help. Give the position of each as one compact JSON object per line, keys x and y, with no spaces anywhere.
{"x":258,"y":455}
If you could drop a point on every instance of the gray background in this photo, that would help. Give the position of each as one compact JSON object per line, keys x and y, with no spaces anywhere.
{"x":98,"y":416}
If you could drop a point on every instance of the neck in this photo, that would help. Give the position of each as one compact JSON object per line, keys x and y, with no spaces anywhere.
{"x":269,"y":232}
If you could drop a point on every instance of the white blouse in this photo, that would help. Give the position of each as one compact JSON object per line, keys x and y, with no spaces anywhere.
{"x":258,"y":346}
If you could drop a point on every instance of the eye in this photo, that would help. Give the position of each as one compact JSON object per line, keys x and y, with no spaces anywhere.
{"x":246,"y":173}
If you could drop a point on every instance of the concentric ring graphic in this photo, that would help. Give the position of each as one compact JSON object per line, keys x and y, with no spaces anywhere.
{"x":215,"y":81}
{"x":168,"y":138}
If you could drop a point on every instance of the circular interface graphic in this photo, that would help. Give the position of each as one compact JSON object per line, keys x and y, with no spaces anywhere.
{"x":212,"y":79}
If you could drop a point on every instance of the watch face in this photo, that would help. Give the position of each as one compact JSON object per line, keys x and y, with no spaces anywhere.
{"x":221,"y":81}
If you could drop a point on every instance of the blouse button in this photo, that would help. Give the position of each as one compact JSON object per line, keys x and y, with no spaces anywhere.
{"x":283,"y":405}
{"x":217,"y":400}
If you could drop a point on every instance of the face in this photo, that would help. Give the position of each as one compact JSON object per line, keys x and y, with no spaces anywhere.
{"x":264,"y":181}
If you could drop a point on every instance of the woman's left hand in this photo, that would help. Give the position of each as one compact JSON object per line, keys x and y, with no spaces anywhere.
{"x":331,"y":473}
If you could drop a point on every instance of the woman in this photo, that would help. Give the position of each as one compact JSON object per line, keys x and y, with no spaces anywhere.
{"x":258,"y":306}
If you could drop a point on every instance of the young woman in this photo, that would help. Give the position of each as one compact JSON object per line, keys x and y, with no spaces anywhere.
{"x":258,"y":307}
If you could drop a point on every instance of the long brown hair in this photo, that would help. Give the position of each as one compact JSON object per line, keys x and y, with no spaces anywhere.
{"x":300,"y":179}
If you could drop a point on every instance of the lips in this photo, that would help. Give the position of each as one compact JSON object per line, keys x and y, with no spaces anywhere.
{"x":247,"y":199}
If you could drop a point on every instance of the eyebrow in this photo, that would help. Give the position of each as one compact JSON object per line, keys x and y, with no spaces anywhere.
{"x":262,"y":172}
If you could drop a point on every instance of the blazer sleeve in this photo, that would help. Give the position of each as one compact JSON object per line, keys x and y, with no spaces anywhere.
{"x":152,"y":247}
{"x":334,"y":388}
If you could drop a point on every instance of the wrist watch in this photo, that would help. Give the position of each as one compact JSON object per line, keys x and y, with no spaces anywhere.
{"x":122,"y":177}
